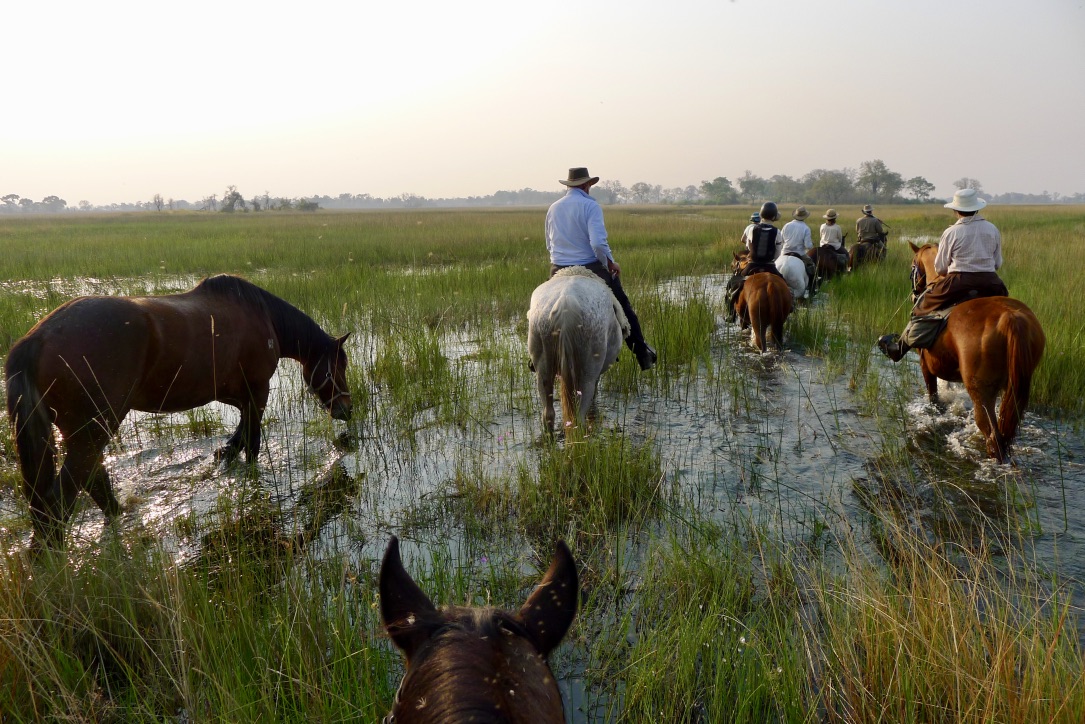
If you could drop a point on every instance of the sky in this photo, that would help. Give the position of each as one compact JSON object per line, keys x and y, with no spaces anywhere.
{"x":115,"y":101}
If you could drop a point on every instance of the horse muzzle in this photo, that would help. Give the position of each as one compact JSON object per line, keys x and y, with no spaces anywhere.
{"x":341,"y":409}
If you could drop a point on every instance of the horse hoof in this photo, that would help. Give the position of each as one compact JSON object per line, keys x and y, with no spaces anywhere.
{"x":227,"y":455}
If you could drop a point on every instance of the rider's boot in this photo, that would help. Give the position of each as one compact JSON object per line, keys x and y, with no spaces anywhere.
{"x":646,"y":356}
{"x":892,"y":347}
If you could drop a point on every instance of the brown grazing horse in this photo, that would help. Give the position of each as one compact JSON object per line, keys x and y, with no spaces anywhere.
{"x":763,"y":304}
{"x":991,"y":344}
{"x":477,"y":664}
{"x":92,"y":360}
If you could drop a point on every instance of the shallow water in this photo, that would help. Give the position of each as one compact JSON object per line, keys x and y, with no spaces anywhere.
{"x":785,"y":448}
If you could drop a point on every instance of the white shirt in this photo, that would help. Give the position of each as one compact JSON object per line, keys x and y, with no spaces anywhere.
{"x":832,"y":235}
{"x":575,"y":234}
{"x":747,"y":235}
{"x":797,"y":238}
{"x":973,"y":244}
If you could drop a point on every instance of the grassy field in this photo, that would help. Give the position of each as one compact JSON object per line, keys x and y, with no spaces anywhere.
{"x":693,"y":610}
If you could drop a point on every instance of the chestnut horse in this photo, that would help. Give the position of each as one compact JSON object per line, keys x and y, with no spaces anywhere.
{"x":477,"y":664}
{"x":992,"y":345}
{"x":92,"y":360}
{"x":763,"y":304}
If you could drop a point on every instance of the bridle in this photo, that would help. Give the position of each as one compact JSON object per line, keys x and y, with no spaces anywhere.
{"x":337,"y":391}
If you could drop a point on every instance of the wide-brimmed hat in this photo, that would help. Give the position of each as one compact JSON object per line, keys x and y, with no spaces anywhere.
{"x":800,"y":213}
{"x":579,"y":177}
{"x":755,"y":217}
{"x":868,"y":209}
{"x":966,"y":200}
{"x":830,"y":214}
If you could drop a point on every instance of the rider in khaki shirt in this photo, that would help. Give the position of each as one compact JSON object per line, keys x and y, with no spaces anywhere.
{"x":870,"y":227}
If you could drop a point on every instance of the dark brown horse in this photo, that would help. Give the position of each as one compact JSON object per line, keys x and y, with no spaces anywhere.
{"x":477,"y":664}
{"x":92,"y":360}
{"x":992,"y":345}
{"x":826,"y":261}
{"x":763,"y":304}
{"x":865,"y":251}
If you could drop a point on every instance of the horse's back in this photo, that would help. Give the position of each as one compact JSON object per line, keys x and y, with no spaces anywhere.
{"x":987,"y":334}
{"x":794,"y":272}
{"x":578,"y":304}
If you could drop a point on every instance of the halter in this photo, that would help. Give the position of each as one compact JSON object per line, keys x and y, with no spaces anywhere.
{"x":337,"y":391}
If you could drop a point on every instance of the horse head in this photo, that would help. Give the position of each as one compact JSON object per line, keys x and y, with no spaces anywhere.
{"x":740,"y":262}
{"x":923,"y":272}
{"x":477,"y":662}
{"x":326,"y":376}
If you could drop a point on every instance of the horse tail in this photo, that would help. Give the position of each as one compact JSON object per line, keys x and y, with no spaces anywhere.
{"x":568,"y":323}
{"x":1022,"y":356}
{"x":34,"y":437}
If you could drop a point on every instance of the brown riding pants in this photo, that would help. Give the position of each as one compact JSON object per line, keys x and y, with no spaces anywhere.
{"x":958,"y":287}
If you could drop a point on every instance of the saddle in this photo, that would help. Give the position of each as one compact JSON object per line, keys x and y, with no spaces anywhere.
{"x":922,"y":332}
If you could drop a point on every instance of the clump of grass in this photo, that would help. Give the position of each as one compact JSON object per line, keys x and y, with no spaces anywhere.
{"x":604,"y":480}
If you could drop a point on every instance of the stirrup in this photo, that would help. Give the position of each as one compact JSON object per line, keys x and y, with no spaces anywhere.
{"x":892,"y":347}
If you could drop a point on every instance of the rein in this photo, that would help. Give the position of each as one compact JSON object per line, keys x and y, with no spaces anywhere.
{"x":337,"y":391}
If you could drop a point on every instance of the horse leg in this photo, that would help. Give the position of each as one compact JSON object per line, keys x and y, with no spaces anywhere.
{"x":930,"y":379}
{"x":587,"y":400}
{"x":983,"y":404}
{"x":544,"y":381}
{"x":247,"y":435}
{"x":83,"y":468}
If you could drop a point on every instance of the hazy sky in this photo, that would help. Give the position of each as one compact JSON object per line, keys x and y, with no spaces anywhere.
{"x":114,"y":101}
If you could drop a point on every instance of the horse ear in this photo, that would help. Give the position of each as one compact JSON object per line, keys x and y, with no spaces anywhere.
{"x":340,"y":340}
{"x":551,"y":607}
{"x":914,"y":247}
{"x":403,"y":604}
{"x":736,"y":256}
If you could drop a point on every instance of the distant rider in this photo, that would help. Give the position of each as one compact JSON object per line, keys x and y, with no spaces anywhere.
{"x":763,"y":244}
{"x":832,"y":236}
{"x":576,"y":236}
{"x":797,"y":241}
{"x":969,"y":253}
{"x":870,"y":229}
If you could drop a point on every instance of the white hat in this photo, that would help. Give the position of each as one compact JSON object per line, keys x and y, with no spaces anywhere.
{"x":966,"y":200}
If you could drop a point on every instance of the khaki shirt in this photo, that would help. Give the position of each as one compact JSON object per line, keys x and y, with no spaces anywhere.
{"x":869,"y":228}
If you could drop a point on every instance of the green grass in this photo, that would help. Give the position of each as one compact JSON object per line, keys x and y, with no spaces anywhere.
{"x":685,"y":617}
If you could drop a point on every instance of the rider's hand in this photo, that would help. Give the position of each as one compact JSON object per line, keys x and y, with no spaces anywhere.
{"x":615,"y":270}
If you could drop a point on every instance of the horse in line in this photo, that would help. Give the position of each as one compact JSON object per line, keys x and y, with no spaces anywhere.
{"x":92,"y":360}
{"x":763,"y":305}
{"x":575,"y":329}
{"x":826,"y":260}
{"x":477,"y":664}
{"x":992,"y":345}
{"x":865,"y":251}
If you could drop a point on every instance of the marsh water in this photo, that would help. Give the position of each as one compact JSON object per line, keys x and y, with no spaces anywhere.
{"x":781,"y":441}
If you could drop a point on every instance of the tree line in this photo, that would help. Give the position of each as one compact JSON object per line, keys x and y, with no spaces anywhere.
{"x":872,"y":182}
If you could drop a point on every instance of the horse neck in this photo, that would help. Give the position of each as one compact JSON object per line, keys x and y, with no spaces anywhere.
{"x":300,"y":338}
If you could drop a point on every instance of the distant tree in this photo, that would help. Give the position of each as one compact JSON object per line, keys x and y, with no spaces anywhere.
{"x":10,"y":199}
{"x":645,"y":193}
{"x":308,"y":205}
{"x":876,"y":176}
{"x":719,"y":191}
{"x":27,"y":204}
{"x":255,"y":203}
{"x":84,"y":205}
{"x":611,"y":191}
{"x":919,"y":187}
{"x":785,"y":188}
{"x":285,"y":204}
{"x":753,"y":187}
{"x":968,"y":183}
{"x":210,"y":203}
{"x":828,"y":187}
{"x":53,"y":204}
{"x":157,"y":201}
{"x":232,"y":200}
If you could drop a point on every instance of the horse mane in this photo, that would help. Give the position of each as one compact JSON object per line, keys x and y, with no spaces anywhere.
{"x":291,"y":325}
{"x":453,"y":676}
{"x":580,"y":271}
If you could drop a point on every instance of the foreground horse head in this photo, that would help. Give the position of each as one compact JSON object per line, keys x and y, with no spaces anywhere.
{"x":87,"y":364}
{"x":993,"y":346}
{"x":764,"y":304}
{"x":575,"y":329}
{"x":477,"y":664}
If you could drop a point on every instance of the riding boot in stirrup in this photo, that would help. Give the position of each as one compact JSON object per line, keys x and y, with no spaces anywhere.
{"x":892,"y":347}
